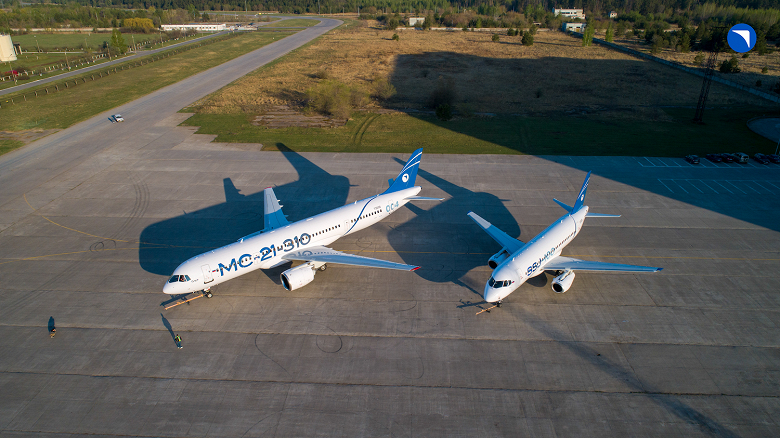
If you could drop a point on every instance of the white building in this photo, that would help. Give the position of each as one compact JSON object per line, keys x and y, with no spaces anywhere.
{"x":570,"y":13}
{"x":612,"y":14}
{"x":414,"y":21}
{"x":7,"y":52}
{"x":200,"y":27}
{"x":573,"y":27}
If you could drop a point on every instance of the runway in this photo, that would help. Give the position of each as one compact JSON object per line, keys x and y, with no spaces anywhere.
{"x":94,"y":219}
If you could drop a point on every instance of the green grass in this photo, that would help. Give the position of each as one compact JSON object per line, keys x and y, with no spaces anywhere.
{"x":49,"y":41}
{"x":84,"y":101}
{"x":36,"y":66}
{"x":9,"y":145}
{"x":725,"y":131}
{"x":293,"y":22}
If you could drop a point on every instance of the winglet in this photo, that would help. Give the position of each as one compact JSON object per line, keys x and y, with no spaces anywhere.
{"x":408,"y":174}
{"x":581,"y":197}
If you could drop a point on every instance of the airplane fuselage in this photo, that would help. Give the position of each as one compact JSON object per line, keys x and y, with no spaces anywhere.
{"x":265,"y":250}
{"x":530,"y":260}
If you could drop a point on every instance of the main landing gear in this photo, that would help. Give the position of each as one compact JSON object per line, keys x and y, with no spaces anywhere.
{"x":207,"y":292}
{"x":323,"y":267}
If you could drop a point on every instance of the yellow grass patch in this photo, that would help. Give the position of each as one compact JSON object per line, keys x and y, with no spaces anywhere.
{"x":555,"y":74}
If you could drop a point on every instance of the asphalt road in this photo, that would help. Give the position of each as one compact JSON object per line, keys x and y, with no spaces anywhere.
{"x":93,"y":220}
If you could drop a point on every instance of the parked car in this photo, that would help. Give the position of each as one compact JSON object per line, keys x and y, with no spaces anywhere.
{"x":773,"y":158}
{"x":715,"y":158}
{"x":761,"y":158}
{"x":119,"y":118}
{"x":741,"y":157}
{"x":727,"y":158}
{"x":693,"y":159}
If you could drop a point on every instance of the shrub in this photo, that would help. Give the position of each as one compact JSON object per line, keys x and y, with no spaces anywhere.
{"x":383,"y":89}
{"x":698,"y":59}
{"x":730,"y":66}
{"x":765,"y":70}
{"x":444,"y":112}
{"x":444,"y":93}
{"x":334,"y":98}
{"x":528,"y":39}
{"x":322,"y":74}
{"x":745,"y":55}
{"x":395,"y":37}
{"x":495,"y":38}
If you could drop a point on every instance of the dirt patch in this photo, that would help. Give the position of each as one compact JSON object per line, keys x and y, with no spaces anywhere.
{"x":282,"y":116}
{"x":27,"y":135}
{"x":556,"y":74}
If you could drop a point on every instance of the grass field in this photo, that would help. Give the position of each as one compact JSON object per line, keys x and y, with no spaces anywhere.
{"x":57,"y":41}
{"x":94,"y":97}
{"x":555,"y":97}
{"x":561,"y":135}
{"x":556,"y":74}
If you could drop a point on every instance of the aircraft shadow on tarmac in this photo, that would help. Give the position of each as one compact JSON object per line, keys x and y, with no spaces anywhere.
{"x":166,"y":244}
{"x":418,"y":75}
{"x":442,"y":252}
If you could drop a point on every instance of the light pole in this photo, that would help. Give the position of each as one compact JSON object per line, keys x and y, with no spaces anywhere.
{"x":36,"y":43}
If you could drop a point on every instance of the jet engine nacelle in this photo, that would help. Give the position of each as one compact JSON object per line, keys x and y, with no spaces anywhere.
{"x":497,"y":259}
{"x":562,"y":283}
{"x":296,"y":278}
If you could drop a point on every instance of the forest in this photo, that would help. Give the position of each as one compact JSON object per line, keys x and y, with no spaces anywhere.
{"x":648,"y":17}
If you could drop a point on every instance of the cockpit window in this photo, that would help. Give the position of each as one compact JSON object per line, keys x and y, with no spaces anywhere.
{"x":490,"y":282}
{"x":176,"y":278}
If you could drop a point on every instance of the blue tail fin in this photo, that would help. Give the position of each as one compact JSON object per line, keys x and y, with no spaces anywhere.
{"x":581,"y":197}
{"x":408,"y":174}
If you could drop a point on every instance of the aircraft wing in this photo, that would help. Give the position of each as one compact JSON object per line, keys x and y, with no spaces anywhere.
{"x":326,"y":255}
{"x":503,"y":239}
{"x":567,"y":263}
{"x":272,"y":213}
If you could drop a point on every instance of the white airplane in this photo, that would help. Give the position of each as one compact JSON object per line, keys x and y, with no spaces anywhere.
{"x":281,"y":241}
{"x":518,"y":261}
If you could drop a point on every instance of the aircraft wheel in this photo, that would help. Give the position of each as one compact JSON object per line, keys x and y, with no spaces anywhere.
{"x":209,"y":295}
{"x":323,"y":267}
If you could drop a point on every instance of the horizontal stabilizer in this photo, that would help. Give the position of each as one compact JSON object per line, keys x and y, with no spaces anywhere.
{"x":324,"y":254}
{"x":601,"y":215}
{"x":272,"y":212}
{"x":565,"y":206}
{"x":423,"y":198}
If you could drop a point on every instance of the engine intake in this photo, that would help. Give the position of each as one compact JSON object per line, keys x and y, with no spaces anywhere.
{"x":498,"y":258}
{"x":298,"y":277}
{"x":562,"y":283}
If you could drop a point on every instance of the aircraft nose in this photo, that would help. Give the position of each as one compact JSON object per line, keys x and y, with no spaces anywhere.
{"x":167,"y":289}
{"x":491,"y":295}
